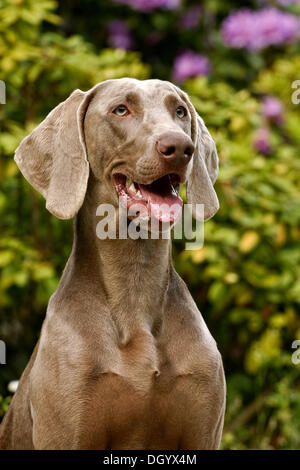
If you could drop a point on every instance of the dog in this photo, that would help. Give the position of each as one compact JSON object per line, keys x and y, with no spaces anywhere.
{"x":124,"y":359}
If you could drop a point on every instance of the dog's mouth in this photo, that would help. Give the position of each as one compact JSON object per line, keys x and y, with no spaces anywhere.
{"x":160,"y":199}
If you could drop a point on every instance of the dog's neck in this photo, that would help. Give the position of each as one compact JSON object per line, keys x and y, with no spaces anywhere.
{"x":132,"y":274}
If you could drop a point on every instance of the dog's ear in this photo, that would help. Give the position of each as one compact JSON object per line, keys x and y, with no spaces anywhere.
{"x":53,"y":157}
{"x":204,"y":172}
{"x":204,"y":166}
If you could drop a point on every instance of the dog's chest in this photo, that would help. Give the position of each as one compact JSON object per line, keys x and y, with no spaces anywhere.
{"x":138,"y":401}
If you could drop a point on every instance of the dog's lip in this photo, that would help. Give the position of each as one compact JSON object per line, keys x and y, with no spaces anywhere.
{"x":147,"y":180}
{"x":121,"y":178}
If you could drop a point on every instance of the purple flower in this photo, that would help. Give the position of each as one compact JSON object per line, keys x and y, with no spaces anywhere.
{"x":149,"y":5}
{"x":190,"y":19}
{"x":281,"y":2}
{"x":170,"y":4}
{"x":256,"y":30}
{"x":272,"y":109}
{"x":118,"y":35}
{"x":287,"y":2}
{"x":262,"y":141}
{"x":190,"y":64}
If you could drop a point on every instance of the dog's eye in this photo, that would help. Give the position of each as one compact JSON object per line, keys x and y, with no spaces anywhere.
{"x":181,"y":112}
{"x":121,"y":110}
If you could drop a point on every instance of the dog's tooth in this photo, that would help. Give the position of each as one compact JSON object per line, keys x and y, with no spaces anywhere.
{"x":128,"y":181}
{"x":132,"y":188}
{"x":139,"y":194}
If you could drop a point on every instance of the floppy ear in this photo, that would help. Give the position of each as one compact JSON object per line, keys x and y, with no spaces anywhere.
{"x":53,"y":157}
{"x":204,"y":171}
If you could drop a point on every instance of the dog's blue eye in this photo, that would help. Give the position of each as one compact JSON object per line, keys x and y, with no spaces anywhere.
{"x":121,"y":110}
{"x":181,"y":112}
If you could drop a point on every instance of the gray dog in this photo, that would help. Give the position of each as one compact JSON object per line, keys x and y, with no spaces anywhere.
{"x":124,"y":359}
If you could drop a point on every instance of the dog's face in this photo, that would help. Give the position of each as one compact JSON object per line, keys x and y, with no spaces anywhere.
{"x":140,"y":139}
{"x":139,"y":142}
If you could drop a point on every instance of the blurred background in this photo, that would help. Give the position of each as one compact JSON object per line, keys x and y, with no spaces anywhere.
{"x":238,"y":63}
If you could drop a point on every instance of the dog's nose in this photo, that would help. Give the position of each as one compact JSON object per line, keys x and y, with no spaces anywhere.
{"x":175,"y":147}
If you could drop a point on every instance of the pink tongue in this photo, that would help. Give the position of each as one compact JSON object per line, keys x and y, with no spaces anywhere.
{"x":163,"y":202}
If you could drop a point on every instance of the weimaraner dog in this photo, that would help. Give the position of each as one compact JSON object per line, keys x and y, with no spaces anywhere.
{"x":124,"y":359}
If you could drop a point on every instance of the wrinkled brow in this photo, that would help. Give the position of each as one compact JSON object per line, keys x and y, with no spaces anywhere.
{"x":133,"y":98}
{"x":172,"y":100}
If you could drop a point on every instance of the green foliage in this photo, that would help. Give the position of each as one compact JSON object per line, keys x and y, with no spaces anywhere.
{"x":40,"y":68}
{"x":246,"y":278}
{"x":4,"y":404}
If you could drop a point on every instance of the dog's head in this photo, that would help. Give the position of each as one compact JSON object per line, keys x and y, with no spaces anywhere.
{"x":140,"y":139}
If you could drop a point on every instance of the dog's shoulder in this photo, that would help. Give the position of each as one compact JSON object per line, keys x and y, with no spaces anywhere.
{"x":198,"y":352}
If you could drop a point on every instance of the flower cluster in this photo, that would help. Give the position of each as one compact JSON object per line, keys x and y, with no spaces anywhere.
{"x":282,"y":2}
{"x":149,"y":5}
{"x":287,"y":2}
{"x":190,"y":19}
{"x":119,"y":36}
{"x":262,"y":141}
{"x":190,"y":64}
{"x":272,"y":110}
{"x":255,"y":30}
